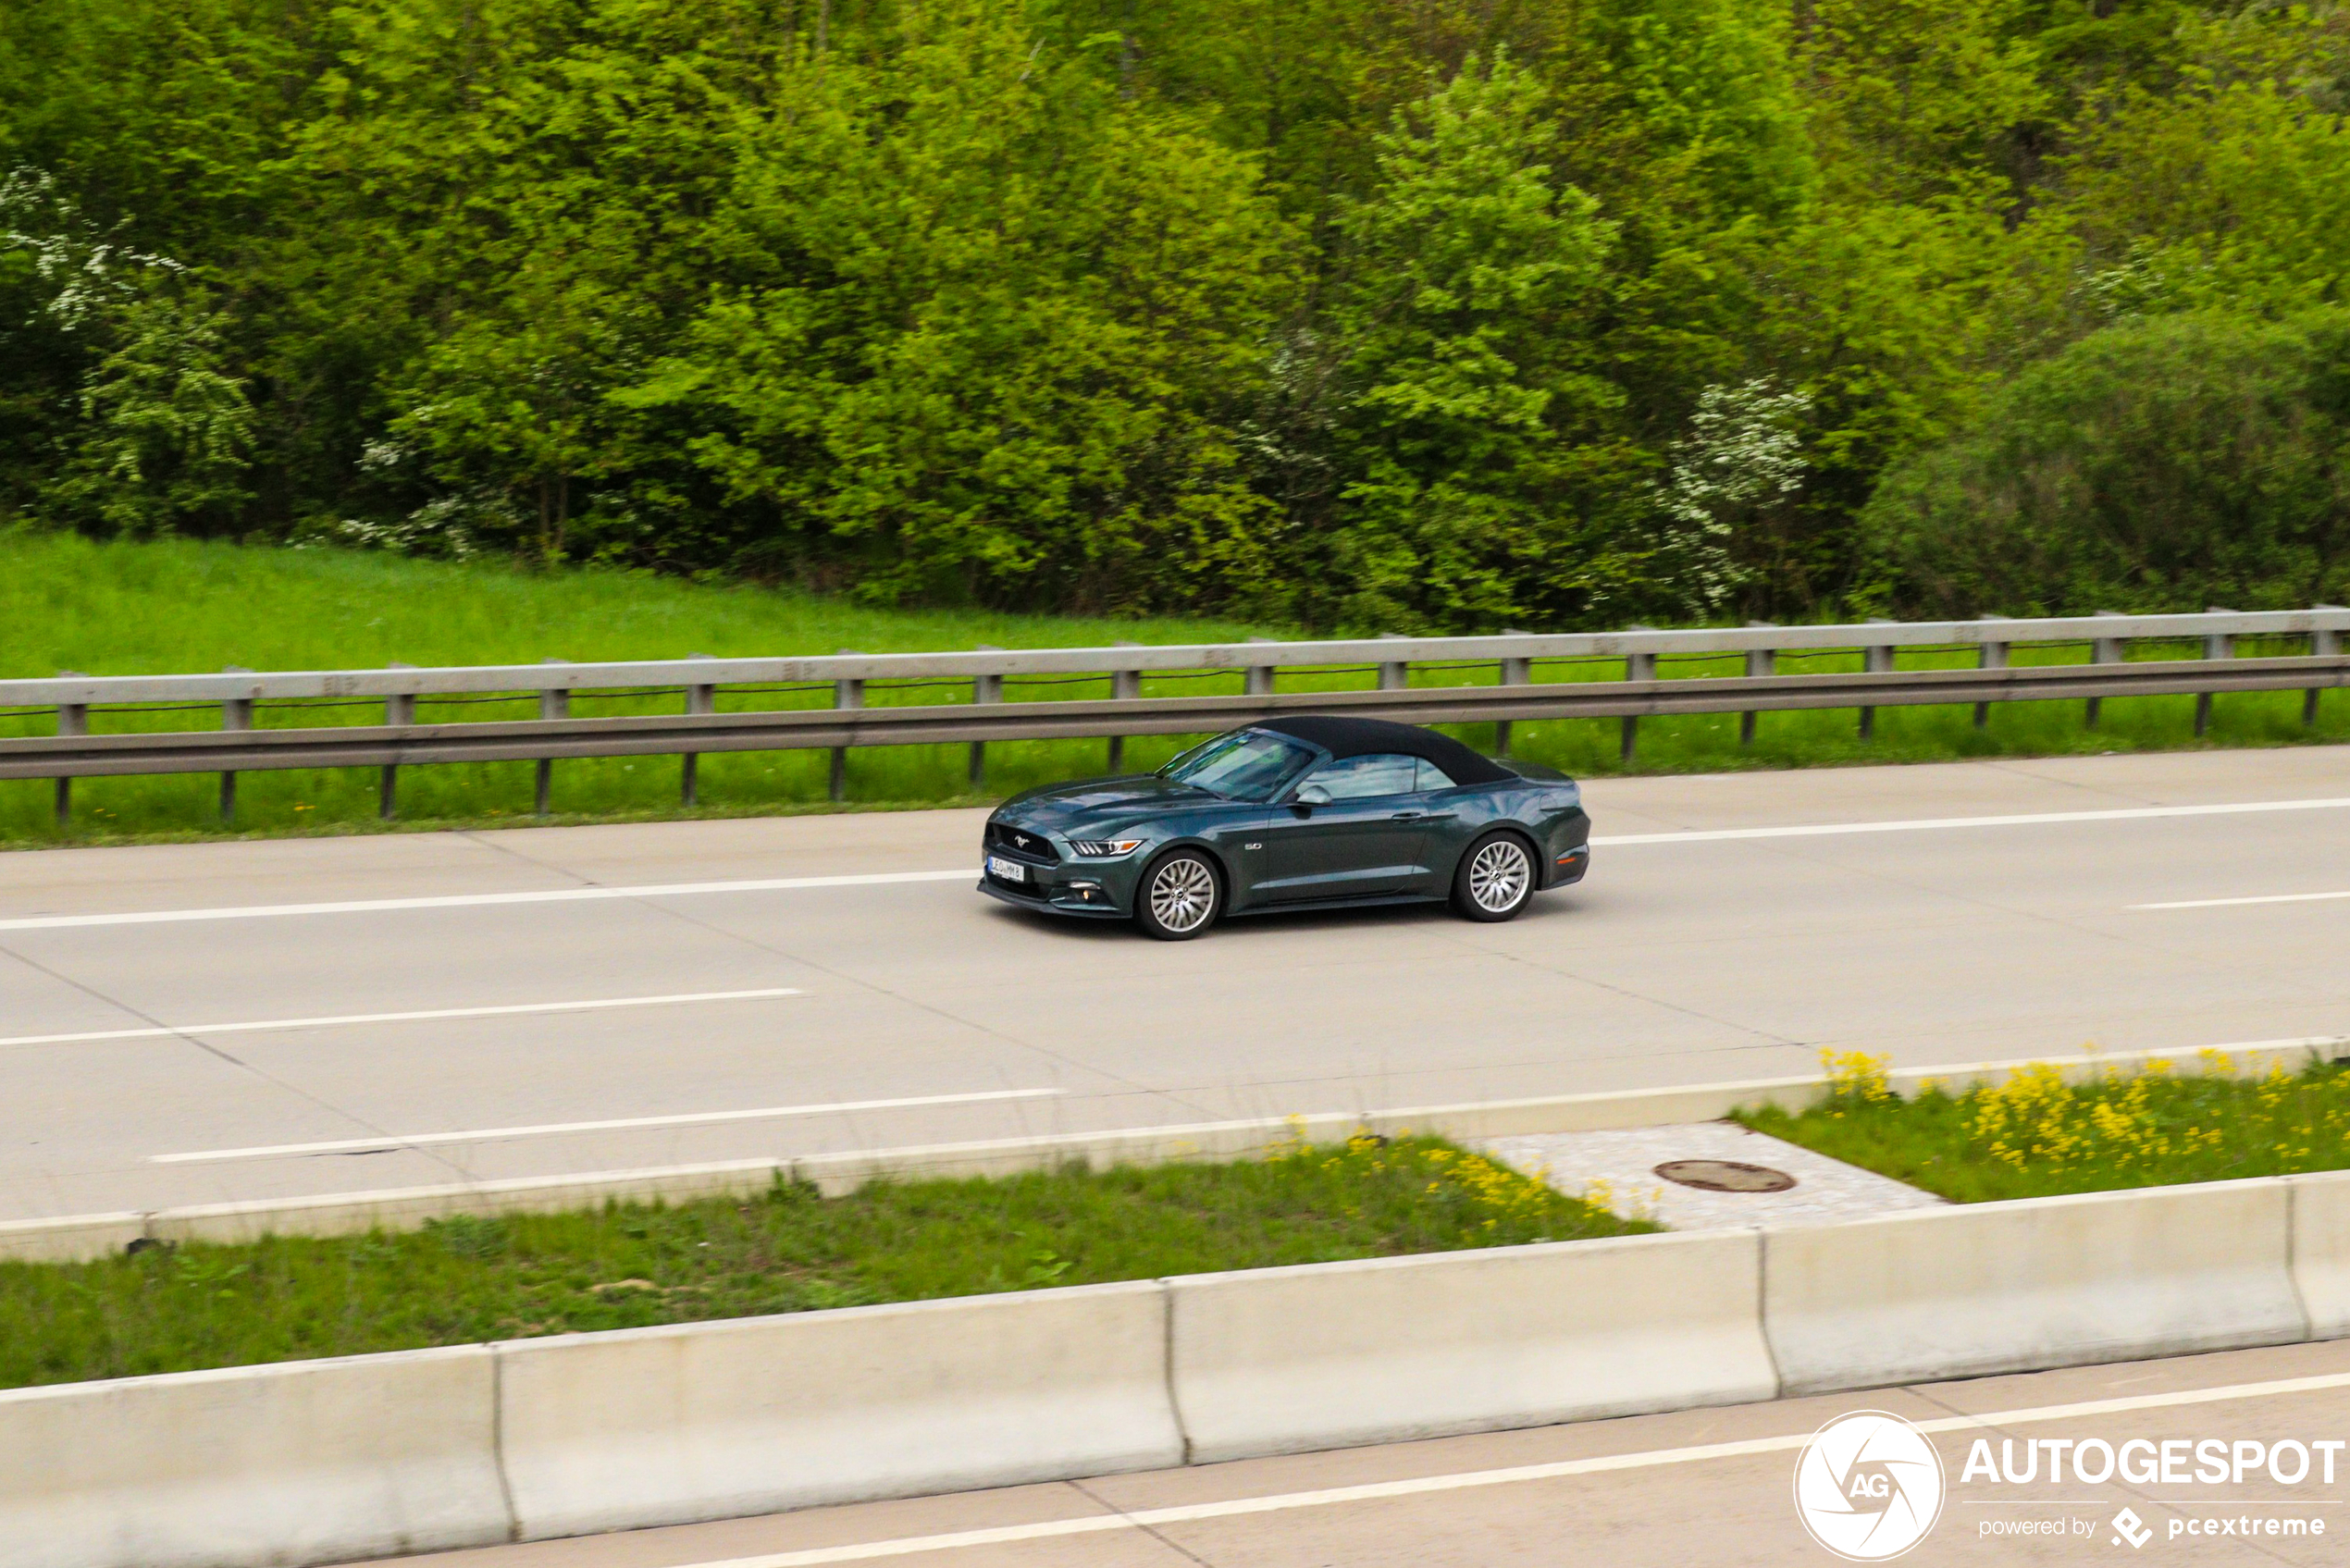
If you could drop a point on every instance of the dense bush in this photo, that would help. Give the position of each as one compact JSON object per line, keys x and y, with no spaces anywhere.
{"x":2169,"y":463}
{"x":1389,"y":313}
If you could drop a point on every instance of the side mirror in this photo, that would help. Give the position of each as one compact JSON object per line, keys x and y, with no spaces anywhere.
{"x":1312,"y":794}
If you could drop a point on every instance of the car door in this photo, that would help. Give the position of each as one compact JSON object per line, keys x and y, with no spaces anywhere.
{"x":1357,"y":834}
{"x":1433,"y":814}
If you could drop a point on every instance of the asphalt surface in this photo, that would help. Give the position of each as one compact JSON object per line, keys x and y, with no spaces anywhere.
{"x":1707,"y":945}
{"x":1706,"y":1486}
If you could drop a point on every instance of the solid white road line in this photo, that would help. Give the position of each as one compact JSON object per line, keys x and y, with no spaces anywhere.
{"x":1927,"y":824}
{"x":410,"y":1140}
{"x":1421,"y":1486}
{"x":475,"y":900}
{"x":879,"y":879}
{"x":2230,"y":903}
{"x":344,"y":1019}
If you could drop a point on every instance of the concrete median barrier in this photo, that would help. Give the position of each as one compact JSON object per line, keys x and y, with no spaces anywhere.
{"x":713,"y":1420}
{"x":77,"y":1238}
{"x":307,"y":1461}
{"x":1331,"y":1356}
{"x":1969,"y":1290}
{"x":2321,"y":1250}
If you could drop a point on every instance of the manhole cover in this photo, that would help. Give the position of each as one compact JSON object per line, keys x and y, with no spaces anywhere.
{"x":1725,"y":1175}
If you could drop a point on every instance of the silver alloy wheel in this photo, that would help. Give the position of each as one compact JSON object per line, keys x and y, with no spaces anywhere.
{"x":1182,"y":894}
{"x":1499,"y":875}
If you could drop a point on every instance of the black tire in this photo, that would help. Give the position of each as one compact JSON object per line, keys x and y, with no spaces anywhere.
{"x":1495,"y":879}
{"x":1178,"y":895}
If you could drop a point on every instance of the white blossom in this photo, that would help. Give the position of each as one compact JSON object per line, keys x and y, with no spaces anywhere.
{"x":1743,"y":452}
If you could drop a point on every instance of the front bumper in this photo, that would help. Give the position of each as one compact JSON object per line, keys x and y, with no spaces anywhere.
{"x":1067,"y":885}
{"x":1066,"y":905}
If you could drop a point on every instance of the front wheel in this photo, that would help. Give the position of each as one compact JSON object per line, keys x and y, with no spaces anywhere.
{"x":1495,"y":879}
{"x":1179,"y":897}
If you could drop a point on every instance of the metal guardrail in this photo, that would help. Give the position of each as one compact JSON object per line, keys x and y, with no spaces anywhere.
{"x":562,"y":675}
{"x":236,"y":746}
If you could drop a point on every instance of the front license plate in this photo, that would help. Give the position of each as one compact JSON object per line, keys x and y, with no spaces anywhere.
{"x":1009,"y":871}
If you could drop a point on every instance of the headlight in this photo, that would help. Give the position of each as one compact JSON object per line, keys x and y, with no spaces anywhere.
{"x":1103,"y":848}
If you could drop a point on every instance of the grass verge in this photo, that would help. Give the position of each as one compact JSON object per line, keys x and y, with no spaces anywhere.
{"x":466,"y":1280}
{"x":2036,"y":1135}
{"x":176,"y":606}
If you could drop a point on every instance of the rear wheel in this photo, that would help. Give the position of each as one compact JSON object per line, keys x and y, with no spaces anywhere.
{"x":1179,"y":896}
{"x":1495,"y":879}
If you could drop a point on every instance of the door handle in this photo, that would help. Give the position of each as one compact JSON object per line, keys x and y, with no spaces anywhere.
{"x":1407,"y":815}
{"x":1423,"y":816}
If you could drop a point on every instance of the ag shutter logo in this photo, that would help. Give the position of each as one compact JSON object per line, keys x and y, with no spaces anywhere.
{"x":1868,"y":1487}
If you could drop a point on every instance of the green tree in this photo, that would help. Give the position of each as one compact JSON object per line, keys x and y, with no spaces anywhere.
{"x":1914,"y":99}
{"x":503,"y":412}
{"x":164,"y":430}
{"x":979,"y":321}
{"x":167,"y":430}
{"x":2234,"y":191}
{"x":1471,"y":428}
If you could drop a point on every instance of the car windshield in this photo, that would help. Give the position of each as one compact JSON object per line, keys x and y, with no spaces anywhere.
{"x":1244,"y":765}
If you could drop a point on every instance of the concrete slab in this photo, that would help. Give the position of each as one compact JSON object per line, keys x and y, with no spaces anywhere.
{"x":1618,"y":1169}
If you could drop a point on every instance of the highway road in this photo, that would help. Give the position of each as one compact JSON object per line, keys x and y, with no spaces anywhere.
{"x":1704,"y":1487}
{"x":244,"y":1019}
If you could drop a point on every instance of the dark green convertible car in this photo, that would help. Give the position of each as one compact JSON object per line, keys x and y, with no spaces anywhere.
{"x":1310,"y":813}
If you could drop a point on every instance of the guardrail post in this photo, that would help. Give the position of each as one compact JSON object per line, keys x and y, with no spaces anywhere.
{"x":2321,"y":643}
{"x":1515,"y":673}
{"x":1876,"y":661}
{"x":1993,"y":656}
{"x":1394,"y":675}
{"x":553,"y":703}
{"x":2219,"y":645}
{"x":235,"y":714}
{"x":73,"y":719}
{"x":399,"y":709}
{"x":846,"y":694}
{"x":984,"y":688}
{"x":1637,"y":667}
{"x":700,"y":698}
{"x":2104,"y":651}
{"x":1125,"y":685}
{"x":1759,"y":662}
{"x":1258,"y":681}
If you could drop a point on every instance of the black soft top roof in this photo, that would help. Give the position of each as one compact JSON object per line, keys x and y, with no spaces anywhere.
{"x":1360,"y":737}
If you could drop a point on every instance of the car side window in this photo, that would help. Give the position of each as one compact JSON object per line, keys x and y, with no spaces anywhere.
{"x":1364,"y":778}
{"x":1432,"y":777}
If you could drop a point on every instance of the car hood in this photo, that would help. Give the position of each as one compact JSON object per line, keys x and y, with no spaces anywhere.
{"x":1101,"y":803}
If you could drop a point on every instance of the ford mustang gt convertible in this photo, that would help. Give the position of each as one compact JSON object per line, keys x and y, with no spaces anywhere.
{"x":1310,"y":813}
